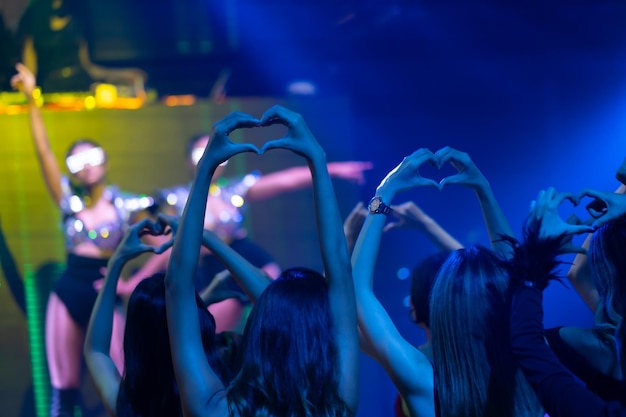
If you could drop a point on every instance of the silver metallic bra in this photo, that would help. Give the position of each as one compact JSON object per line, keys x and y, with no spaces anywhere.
{"x":106,"y":235}
{"x":225,"y":206}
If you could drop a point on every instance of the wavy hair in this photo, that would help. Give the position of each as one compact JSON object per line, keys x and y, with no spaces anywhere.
{"x":289,"y":366}
{"x":148,"y":387}
{"x":476,"y":374}
{"x":607,"y":264}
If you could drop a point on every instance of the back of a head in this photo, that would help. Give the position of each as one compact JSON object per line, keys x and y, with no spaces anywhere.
{"x":148,"y":387}
{"x":289,"y":359}
{"x":422,"y":281}
{"x":608,"y":268}
{"x":476,"y":374}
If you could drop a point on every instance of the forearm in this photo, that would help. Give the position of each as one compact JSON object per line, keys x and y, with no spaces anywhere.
{"x":98,"y":337}
{"x":49,"y":166}
{"x":439,"y":236}
{"x":250,"y":278}
{"x":332,"y":239}
{"x":560,"y":393}
{"x":196,"y":380}
{"x":579,"y":275}
{"x":495,"y":220}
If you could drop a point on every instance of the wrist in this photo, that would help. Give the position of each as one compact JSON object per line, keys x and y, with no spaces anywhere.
{"x":386,"y":193}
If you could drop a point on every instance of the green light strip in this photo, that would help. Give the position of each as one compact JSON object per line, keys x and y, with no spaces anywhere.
{"x":36,"y":313}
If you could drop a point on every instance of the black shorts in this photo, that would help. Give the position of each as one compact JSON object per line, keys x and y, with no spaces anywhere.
{"x":75,"y":287}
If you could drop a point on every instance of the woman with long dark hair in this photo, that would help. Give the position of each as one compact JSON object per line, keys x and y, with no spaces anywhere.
{"x":471,"y":373}
{"x":147,"y":387}
{"x":300,"y":343}
{"x":546,"y":237}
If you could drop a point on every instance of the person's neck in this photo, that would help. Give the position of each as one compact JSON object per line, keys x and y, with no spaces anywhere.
{"x":95,"y":192}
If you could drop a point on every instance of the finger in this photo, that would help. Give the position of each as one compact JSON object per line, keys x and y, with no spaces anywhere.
{"x":599,"y":195}
{"x":541,"y":196}
{"x":580,"y":229}
{"x":279,"y":115}
{"x":551,"y":194}
{"x":573,"y":220}
{"x":597,"y":214}
{"x":275,"y":144}
{"x":234,"y":121}
{"x":427,"y":182}
{"x":442,"y":155}
{"x":561,"y":197}
{"x":390,"y":226}
{"x":159,"y":250}
{"x":142,"y":227}
{"x":452,"y":179}
{"x":244,"y":147}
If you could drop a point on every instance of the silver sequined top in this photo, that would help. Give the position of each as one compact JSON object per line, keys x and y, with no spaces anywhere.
{"x":106,"y":235}
{"x":225,"y":206}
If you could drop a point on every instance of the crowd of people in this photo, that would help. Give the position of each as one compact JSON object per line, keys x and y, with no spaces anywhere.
{"x":180,"y":343}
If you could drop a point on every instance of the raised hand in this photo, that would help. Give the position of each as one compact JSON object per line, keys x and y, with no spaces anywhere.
{"x":299,"y":138}
{"x":220,"y":147}
{"x":24,"y":80}
{"x":615,"y":204}
{"x":409,"y":216}
{"x":406,"y":175}
{"x":132,"y":246}
{"x":468,"y":174}
{"x":545,"y":210}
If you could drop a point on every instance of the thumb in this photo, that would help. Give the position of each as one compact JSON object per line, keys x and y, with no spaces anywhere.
{"x":274,"y":144}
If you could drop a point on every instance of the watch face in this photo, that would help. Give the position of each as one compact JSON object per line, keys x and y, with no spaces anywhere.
{"x":375,"y":204}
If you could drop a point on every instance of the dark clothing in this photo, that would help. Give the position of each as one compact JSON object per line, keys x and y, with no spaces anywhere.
{"x":57,"y":36}
{"x":75,"y":287}
{"x":605,"y":387}
{"x":561,"y":393}
{"x":210,"y":266}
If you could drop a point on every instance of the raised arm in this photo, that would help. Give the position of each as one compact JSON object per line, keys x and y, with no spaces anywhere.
{"x":410,"y":216}
{"x":560,"y":392}
{"x":295,"y":178}
{"x":470,"y":176}
{"x":197,"y":382}
{"x":251,"y":279}
{"x":408,"y":368}
{"x":579,"y":274}
{"x":98,"y":339}
{"x":334,"y":250}
{"x":25,"y":80}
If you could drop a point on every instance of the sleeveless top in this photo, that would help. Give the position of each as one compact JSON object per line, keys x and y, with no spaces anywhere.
{"x":226,"y":204}
{"x":106,"y":235}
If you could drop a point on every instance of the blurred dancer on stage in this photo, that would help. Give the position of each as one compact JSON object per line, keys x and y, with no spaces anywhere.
{"x":94,"y":217}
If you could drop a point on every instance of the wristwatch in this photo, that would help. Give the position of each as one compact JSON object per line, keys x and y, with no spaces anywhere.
{"x":377,"y":206}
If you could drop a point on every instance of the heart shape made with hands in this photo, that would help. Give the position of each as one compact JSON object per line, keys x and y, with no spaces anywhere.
{"x":159,"y":228}
{"x":451,"y":166}
{"x":276,"y":115}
